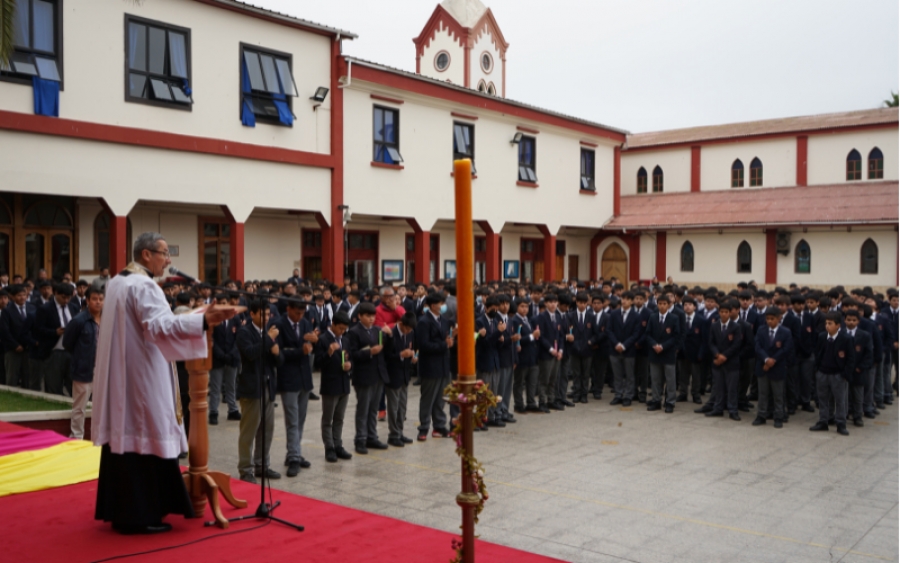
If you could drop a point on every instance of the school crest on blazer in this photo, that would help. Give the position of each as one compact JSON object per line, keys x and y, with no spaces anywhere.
{"x":778,"y":344}
{"x":841,"y":354}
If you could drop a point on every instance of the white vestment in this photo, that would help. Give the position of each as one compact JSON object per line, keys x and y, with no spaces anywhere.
{"x":134,"y":382}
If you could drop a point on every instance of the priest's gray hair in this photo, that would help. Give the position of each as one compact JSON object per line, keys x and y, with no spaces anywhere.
{"x":146,"y":241}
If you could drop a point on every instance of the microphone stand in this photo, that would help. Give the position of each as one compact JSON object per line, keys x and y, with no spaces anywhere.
{"x":265,"y":509}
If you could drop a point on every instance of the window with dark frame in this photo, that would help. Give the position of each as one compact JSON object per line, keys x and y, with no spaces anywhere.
{"x":267,"y":85}
{"x":868,"y":257}
{"x":744,"y":258}
{"x":37,"y":42}
{"x":527,"y":160}
{"x":756,"y":173}
{"x":642,"y":181}
{"x":737,"y":174}
{"x":386,"y":135}
{"x":464,"y":142}
{"x":854,"y":166}
{"x":802,"y":258}
{"x":158,"y":63}
{"x":687,"y":257}
{"x":657,"y":180}
{"x":876,"y":164}
{"x":588,"y":170}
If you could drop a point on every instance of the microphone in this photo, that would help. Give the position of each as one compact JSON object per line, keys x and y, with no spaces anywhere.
{"x":176,"y":272}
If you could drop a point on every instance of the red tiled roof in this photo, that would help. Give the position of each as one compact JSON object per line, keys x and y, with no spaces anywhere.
{"x":837,"y":204}
{"x":809,"y":123}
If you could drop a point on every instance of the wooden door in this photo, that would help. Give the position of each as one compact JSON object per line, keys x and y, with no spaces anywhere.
{"x":561,"y":268}
{"x":614,"y":263}
{"x":573,"y":267}
{"x":47,"y":249}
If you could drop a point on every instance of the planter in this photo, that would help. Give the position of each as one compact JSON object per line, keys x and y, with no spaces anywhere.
{"x":59,"y":421}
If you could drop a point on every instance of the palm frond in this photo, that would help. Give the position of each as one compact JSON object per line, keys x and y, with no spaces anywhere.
{"x":7,"y":18}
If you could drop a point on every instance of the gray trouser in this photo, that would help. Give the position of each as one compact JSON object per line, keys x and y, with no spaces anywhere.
{"x":581,"y":370}
{"x":725,"y":388}
{"x":17,"y":369}
{"x":526,"y":382}
{"x":492,"y":381}
{"x":56,"y":373}
{"x":250,"y":439}
{"x":689,"y":378}
{"x":878,"y":384}
{"x":222,"y":381}
{"x":548,"y":371}
{"x":367,"y":399}
{"x":623,"y":374}
{"x":770,"y":390}
{"x":81,"y":392}
{"x":807,"y":378}
{"x":295,"y":403}
{"x":504,"y":388}
{"x":886,"y":369}
{"x":599,"y":364}
{"x":431,"y":404}
{"x":747,"y":379}
{"x":856,"y":400}
{"x":562,"y":377}
{"x":869,"y":391}
{"x":832,"y":388}
{"x":333,"y":409}
{"x":641,"y":375}
{"x":663,"y":374}
{"x":396,"y":410}
{"x":34,"y":376}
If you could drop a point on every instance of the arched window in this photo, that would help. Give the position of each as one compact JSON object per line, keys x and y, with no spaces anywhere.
{"x":868,"y":257}
{"x":876,"y":164}
{"x":642,"y":181}
{"x":101,"y":239}
{"x":657,"y":180}
{"x":47,"y":214}
{"x":687,"y":257}
{"x":854,"y":166}
{"x":756,"y":176}
{"x":737,"y":174}
{"x":481,"y":86}
{"x":491,"y":90}
{"x":802,"y":258}
{"x":744,"y":258}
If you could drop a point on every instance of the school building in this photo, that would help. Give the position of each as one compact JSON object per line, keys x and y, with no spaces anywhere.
{"x":255,"y":146}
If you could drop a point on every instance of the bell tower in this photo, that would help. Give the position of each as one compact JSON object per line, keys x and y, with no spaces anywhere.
{"x":462,"y":44}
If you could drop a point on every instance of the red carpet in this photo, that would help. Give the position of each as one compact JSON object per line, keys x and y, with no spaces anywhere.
{"x":59,"y":525}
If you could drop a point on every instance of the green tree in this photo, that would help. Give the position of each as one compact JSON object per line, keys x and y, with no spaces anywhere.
{"x":893,"y":102}
{"x":7,"y":14}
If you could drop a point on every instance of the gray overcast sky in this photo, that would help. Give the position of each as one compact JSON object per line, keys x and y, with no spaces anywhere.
{"x":645,"y":65}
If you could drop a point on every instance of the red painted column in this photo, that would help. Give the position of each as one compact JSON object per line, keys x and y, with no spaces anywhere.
{"x":771,"y":256}
{"x":617,"y":181}
{"x":634,"y":257}
{"x":492,"y":240}
{"x":595,"y":244}
{"x":695,"y":169}
{"x":118,"y":246}
{"x":423,"y":256}
{"x":661,"y":255}
{"x":549,"y":254}
{"x":333,"y":246}
{"x":802,"y":153}
{"x":236,"y":240}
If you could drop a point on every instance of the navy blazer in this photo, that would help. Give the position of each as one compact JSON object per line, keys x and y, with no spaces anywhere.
{"x":248,"y":381}
{"x":399,"y":369}
{"x":862,"y":356}
{"x":16,"y":331}
{"x":526,"y":349}
{"x":318,"y":321}
{"x":601,"y":337}
{"x":367,"y":369}
{"x":585,"y":333}
{"x":334,"y":380}
{"x":726,"y":341}
{"x":779,"y":350}
{"x":626,"y":333}
{"x":666,"y":334}
{"x":552,"y":336}
{"x":224,"y":336}
{"x":505,"y":348}
{"x":748,"y":344}
{"x":696,"y":340}
{"x":842,"y":354}
{"x":806,"y":345}
{"x":792,"y":323}
{"x":431,"y":341}
{"x":46,"y":323}
{"x":80,"y":340}
{"x":487,"y":358}
{"x":875,"y":332}
{"x":295,"y":373}
{"x":640,"y":346}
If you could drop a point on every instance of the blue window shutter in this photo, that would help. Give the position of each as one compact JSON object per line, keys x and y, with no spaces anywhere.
{"x":248,"y":119}
{"x":284,"y":112}
{"x":46,"y":96}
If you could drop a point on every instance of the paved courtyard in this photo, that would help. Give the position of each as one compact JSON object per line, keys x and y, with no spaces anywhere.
{"x":598,"y":483}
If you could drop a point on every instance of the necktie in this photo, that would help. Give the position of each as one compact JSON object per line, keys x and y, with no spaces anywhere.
{"x":743,"y":316}
{"x":297,"y":330}
{"x":625,"y":317}
{"x":65,"y":316}
{"x":581,"y":319}
{"x":830,"y":339}
{"x":771,"y":336}
{"x":22,"y":312}
{"x":662,"y":319}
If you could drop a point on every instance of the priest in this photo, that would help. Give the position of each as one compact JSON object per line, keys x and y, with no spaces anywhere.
{"x":137,"y":415}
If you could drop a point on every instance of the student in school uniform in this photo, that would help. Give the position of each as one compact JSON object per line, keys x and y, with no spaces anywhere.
{"x":725,"y":344}
{"x":600,"y":360}
{"x":366,"y":345}
{"x":507,"y":353}
{"x":434,"y":339}
{"x":487,"y":358}
{"x":642,"y":351}
{"x":401,"y":361}
{"x":584,"y":337}
{"x":861,"y":364}
{"x":565,"y":369}
{"x":335,"y":365}
{"x":623,"y":331}
{"x":773,"y":346}
{"x":526,"y":338}
{"x":550,"y":352}
{"x":662,"y":338}
{"x":693,"y":352}
{"x":834,"y":369}
{"x":876,"y":334}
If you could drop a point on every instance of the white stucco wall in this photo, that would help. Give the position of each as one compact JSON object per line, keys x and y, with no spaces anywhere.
{"x":778,"y":157}
{"x":648,"y":256}
{"x":444,"y":41}
{"x":675,"y":164}
{"x":271,"y":247}
{"x":715,"y":257}
{"x":94,"y":59}
{"x":835,"y":258}
{"x":87,"y":213}
{"x":483,"y":43}
{"x":827,"y":154}
{"x":180,"y":229}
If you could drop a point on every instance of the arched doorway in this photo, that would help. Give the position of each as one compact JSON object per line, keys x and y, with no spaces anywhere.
{"x":614,"y":263}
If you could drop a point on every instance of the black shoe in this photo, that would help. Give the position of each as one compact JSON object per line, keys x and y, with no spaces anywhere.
{"x":376,"y":445}
{"x":556,"y":405}
{"x":842,"y":430}
{"x":652,"y":406}
{"x":715,"y":413}
{"x":616,"y":401}
{"x":417,"y":382}
{"x":249,"y":478}
{"x":759,"y":421}
{"x":544,"y":408}
{"x":567,"y":403}
{"x":313,"y":396}
{"x":533,"y":408}
{"x":304,"y":464}
{"x":704,"y":409}
{"x":361,"y":449}
{"x":806,"y":407}
{"x":342,"y":453}
{"x":832,"y":421}
{"x":735,"y":417}
{"x":869,"y":415}
{"x":681,"y":399}
{"x":889,"y":401}
{"x":570,"y":394}
{"x":520,"y":410}
{"x":743,"y":408}
{"x":792,"y":411}
{"x":151,"y":529}
{"x":819,"y":427}
{"x":213,"y":419}
{"x":880,"y":405}
{"x":293,"y":469}
{"x":270,"y":473}
{"x":422,"y":436}
{"x":698,"y":400}
{"x":406,"y":440}
{"x":598,"y":396}
{"x":330,"y":456}
{"x":496,"y":423}
{"x":752,"y":397}
{"x":234,"y":415}
{"x":641,"y":399}
{"x":858,"y":422}
{"x":626,"y":403}
{"x":778,"y":423}
{"x":509,"y":419}
{"x":396,"y":442}
{"x":670,"y":409}
{"x":583,"y":400}
{"x":440,"y":433}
